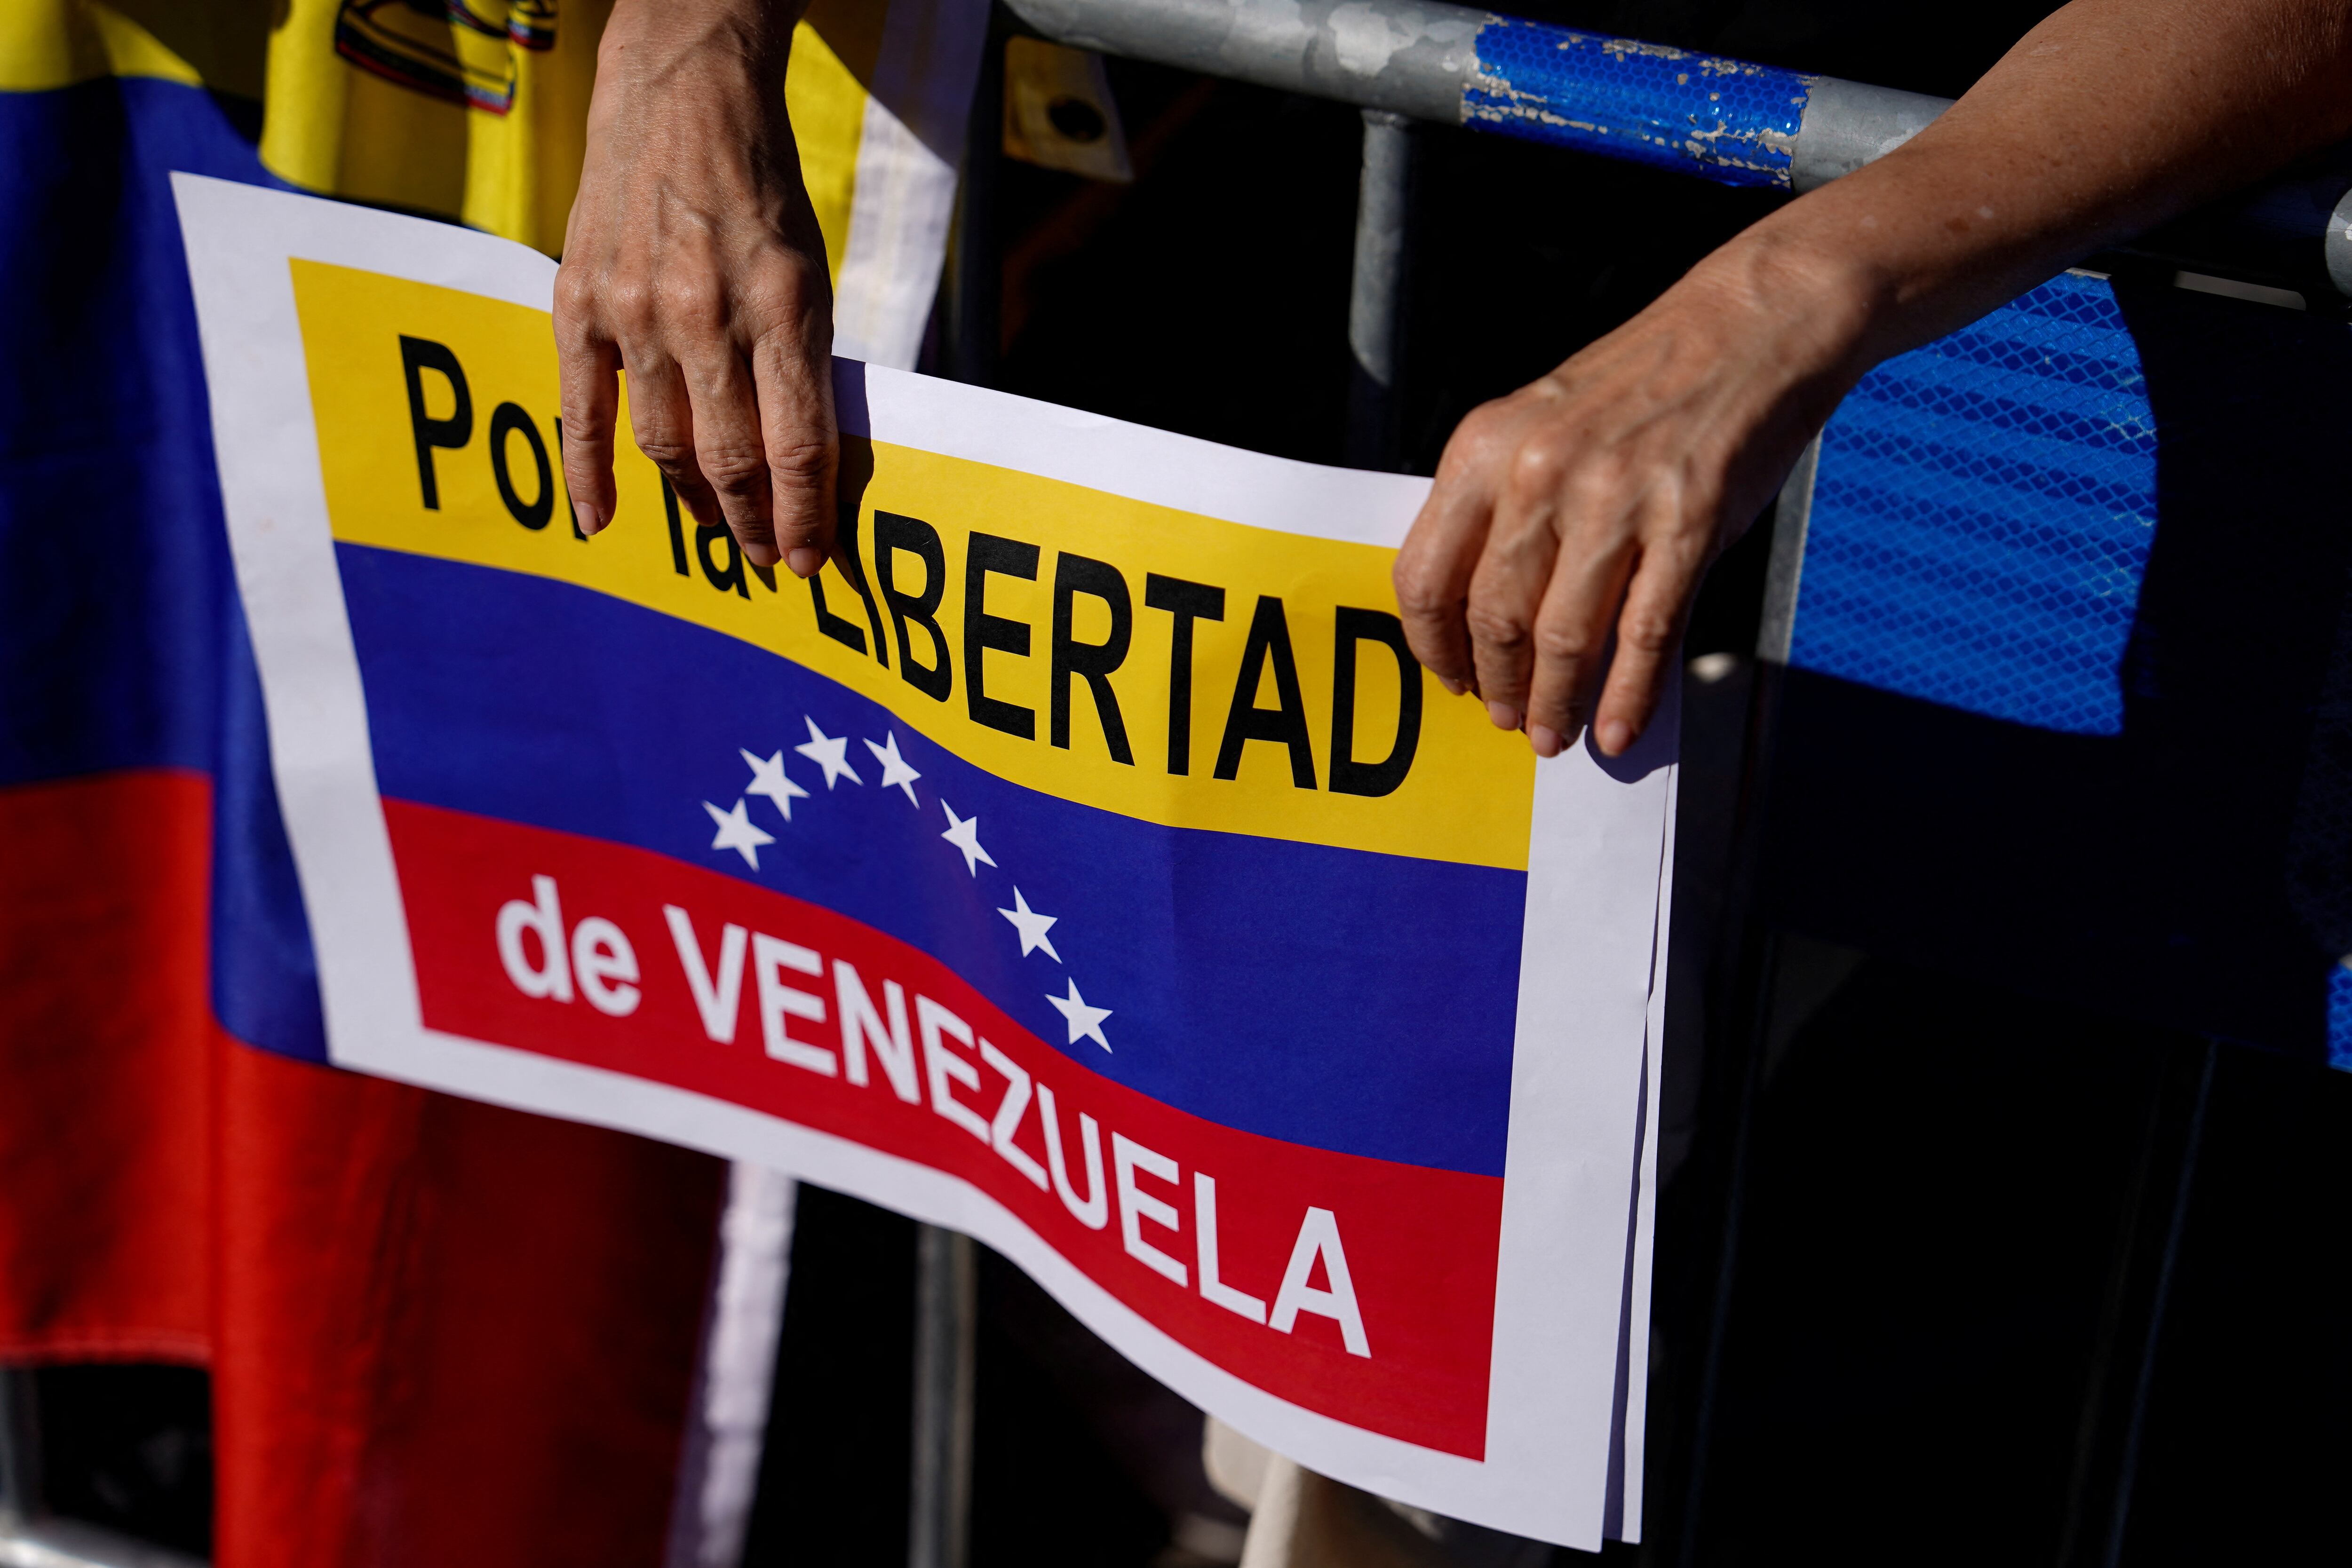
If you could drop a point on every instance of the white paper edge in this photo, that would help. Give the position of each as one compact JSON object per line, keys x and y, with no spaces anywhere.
{"x":1635,"y":1435}
{"x":1550,"y":1419}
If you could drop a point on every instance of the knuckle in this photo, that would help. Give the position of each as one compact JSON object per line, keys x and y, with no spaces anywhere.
{"x":1421,"y":588}
{"x":576,"y":299}
{"x":800,"y":464}
{"x":671,"y":455}
{"x":692,"y":302}
{"x":1565,"y":644}
{"x":1539,"y":465}
{"x":630,"y":304}
{"x":1480,"y":431}
{"x":1493,"y":627}
{"x":1481,"y":423}
{"x":1602,"y":479}
{"x":1647,"y":630}
{"x":783,"y":292}
{"x":732,"y":470}
{"x":1683,"y":551}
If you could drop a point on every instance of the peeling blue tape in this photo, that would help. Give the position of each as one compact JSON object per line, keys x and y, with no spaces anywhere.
{"x":1723,"y":120}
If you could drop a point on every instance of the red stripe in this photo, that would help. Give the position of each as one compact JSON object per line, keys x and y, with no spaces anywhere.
{"x":1419,"y":1244}
{"x":105,"y":1039}
{"x":440,"y":1332}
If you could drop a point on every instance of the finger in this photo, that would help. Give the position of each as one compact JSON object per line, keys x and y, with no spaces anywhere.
{"x":1571,"y":631}
{"x":590,"y":403}
{"x":728,"y":449}
{"x":1440,"y":557}
{"x":1514,"y":572}
{"x":661,"y":417}
{"x":1648,"y":633}
{"x":795,"y":372}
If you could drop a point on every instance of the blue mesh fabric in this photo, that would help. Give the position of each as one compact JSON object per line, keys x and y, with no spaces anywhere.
{"x":1982,"y":517}
{"x":2339,"y":1017}
{"x":1698,"y":114}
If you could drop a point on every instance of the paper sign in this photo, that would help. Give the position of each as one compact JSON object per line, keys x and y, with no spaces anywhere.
{"x":1082,"y":860}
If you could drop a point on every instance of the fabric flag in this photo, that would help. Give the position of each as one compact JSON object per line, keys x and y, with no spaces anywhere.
{"x":1081,"y":860}
{"x":438,"y":1331}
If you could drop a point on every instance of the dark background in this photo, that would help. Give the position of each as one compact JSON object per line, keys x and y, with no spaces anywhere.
{"x":2013,"y":1277}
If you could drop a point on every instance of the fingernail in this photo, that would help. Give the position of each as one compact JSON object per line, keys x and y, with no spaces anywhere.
{"x":1504,"y":715}
{"x":1615,"y":737}
{"x":805,"y":560}
{"x":760,"y":553}
{"x":1545,"y":740}
{"x":587,"y":517}
{"x":1453,"y":688}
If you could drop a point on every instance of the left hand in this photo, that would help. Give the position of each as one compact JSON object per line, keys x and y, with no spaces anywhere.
{"x":1590,"y":504}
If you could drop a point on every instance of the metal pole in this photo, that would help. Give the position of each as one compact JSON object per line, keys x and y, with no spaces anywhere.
{"x":1379,"y":291}
{"x":1455,"y":65}
{"x":1724,"y":119}
{"x":938,"y":1511}
{"x":727,"y":1425}
{"x":20,"y":1450}
{"x":2184,"y":1186}
{"x":975,"y":273}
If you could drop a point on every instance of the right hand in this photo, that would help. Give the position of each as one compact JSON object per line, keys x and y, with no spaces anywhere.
{"x":693,"y":260}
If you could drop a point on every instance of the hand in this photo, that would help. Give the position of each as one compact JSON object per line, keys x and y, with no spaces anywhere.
{"x":1585,"y":507}
{"x":693,"y":259}
{"x":1591,"y":502}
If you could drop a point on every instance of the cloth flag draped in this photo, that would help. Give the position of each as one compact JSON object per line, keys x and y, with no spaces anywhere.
{"x":437,"y":1330}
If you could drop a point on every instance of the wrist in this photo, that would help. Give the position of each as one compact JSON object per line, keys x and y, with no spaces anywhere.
{"x":1824,"y":309}
{"x":647,"y":34}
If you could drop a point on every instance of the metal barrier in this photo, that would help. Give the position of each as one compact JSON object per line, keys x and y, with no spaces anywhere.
{"x":1406,"y":64}
{"x":1402,"y":63}
{"x":1741,"y":123}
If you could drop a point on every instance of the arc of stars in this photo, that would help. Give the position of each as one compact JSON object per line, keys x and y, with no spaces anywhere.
{"x":737,"y":831}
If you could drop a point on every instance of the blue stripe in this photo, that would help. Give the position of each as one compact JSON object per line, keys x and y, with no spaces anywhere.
{"x":1351,"y":1001}
{"x":122,"y":644}
{"x":1728,"y":121}
{"x":2339,"y":1019}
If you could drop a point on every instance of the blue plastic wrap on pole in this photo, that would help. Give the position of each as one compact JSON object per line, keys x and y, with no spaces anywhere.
{"x":1726,"y":119}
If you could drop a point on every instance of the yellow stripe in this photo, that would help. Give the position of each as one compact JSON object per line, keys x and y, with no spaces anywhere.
{"x":51,"y":44}
{"x":1466,"y":796}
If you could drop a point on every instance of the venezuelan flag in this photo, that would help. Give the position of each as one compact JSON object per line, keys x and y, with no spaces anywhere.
{"x":439,"y":1331}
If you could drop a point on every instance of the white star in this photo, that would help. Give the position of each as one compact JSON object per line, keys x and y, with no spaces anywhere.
{"x":737,"y":831}
{"x":768,"y":779}
{"x":894,"y":766}
{"x":1032,"y":926}
{"x":963,"y":832}
{"x":828,"y":752}
{"x":1085,"y":1022}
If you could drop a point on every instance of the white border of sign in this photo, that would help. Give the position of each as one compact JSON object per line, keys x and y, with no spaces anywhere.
{"x":1577,"y":1168}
